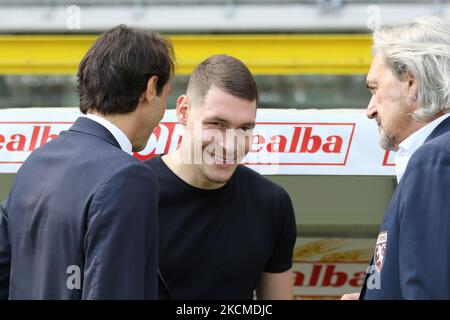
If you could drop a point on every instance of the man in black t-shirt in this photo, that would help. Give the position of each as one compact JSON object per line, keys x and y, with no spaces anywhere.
{"x":225,"y":231}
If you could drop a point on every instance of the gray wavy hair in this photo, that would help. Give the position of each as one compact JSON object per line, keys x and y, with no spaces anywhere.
{"x":421,"y":48}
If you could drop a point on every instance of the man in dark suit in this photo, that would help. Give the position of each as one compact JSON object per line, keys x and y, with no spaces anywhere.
{"x":80,"y":221}
{"x":410,"y":84}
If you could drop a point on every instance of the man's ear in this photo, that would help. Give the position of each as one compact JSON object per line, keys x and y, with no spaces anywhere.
{"x":412,"y":88}
{"x":150,"y":92}
{"x":183,"y":108}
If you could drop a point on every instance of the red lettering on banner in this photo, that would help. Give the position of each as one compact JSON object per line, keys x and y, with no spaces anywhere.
{"x":307,"y":138}
{"x":161,"y":139}
{"x":46,"y":136}
{"x":325,"y":275}
{"x":315,"y":275}
{"x":317,"y":143}
{"x":309,"y":143}
{"x":387,"y":160}
{"x":358,"y":279}
{"x":277,"y":144}
{"x":314,"y":143}
{"x":257,"y":140}
{"x":333,"y":147}
{"x":17,"y":143}
{"x":295,"y":138}
{"x":339,"y":277}
{"x":34,"y":138}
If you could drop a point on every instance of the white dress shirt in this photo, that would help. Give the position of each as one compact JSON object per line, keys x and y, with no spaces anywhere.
{"x":412,"y":143}
{"x":121,"y":138}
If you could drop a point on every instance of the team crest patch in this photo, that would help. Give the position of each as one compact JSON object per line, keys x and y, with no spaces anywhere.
{"x":380,"y":251}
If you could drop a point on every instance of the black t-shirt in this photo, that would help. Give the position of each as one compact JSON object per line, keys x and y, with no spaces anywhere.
{"x":215,"y":244}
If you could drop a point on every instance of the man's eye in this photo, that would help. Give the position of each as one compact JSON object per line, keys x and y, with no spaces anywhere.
{"x":215,"y":124}
{"x":246,"y":128}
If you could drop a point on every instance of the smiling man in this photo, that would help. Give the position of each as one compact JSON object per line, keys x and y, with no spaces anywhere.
{"x":225,"y":231}
{"x":410,"y":84}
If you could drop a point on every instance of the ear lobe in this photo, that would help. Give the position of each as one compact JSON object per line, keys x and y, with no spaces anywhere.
{"x":183,"y":107}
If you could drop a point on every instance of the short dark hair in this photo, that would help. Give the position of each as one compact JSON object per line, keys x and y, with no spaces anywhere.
{"x":115,"y":71}
{"x":225,"y":72}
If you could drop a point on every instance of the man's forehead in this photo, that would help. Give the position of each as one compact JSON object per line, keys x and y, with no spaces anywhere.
{"x":228,"y":114}
{"x":376,"y":68}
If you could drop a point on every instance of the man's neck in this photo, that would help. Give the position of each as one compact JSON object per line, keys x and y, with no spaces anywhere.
{"x":417,"y":125}
{"x":188,"y":172}
{"x":121,"y":122}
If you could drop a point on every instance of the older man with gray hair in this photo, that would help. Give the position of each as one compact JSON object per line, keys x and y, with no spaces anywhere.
{"x":410,"y":84}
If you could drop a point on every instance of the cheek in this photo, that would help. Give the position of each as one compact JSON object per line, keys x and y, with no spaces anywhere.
{"x":191,"y":127}
{"x":383,"y":107}
{"x":379,"y":100}
{"x":163,"y":104}
{"x":248,"y":144}
{"x":244,"y":144}
{"x":193,"y":120}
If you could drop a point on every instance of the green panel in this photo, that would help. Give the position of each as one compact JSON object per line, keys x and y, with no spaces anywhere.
{"x":338,"y":205}
{"x":6,"y":181}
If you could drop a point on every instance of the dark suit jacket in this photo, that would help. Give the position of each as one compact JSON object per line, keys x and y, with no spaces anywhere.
{"x":412,"y":256}
{"x":80,"y":222}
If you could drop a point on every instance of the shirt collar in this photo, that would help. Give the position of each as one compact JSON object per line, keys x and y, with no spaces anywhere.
{"x":412,"y":143}
{"x":118,"y":134}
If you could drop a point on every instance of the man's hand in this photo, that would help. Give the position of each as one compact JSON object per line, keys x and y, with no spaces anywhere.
{"x":350,"y":296}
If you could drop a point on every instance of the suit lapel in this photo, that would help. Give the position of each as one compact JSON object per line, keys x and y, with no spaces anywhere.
{"x":90,"y":127}
{"x":442,"y":128}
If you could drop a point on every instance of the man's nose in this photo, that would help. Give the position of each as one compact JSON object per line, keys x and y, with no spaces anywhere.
{"x":371,"y":110}
{"x":233,"y":140}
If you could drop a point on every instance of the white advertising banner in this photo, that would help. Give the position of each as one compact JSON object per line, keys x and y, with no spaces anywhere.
{"x":327,"y":268}
{"x":285,"y":141}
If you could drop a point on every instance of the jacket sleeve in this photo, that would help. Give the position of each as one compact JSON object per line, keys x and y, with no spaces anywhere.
{"x":424,"y":236}
{"x":5,"y":253}
{"x":121,"y":248}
